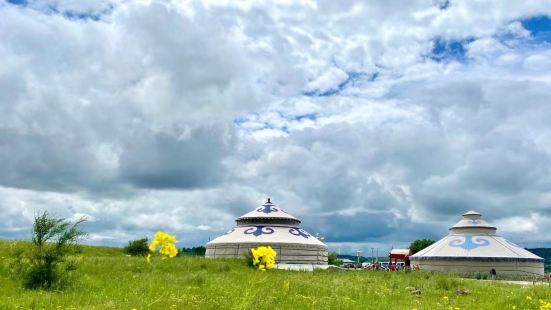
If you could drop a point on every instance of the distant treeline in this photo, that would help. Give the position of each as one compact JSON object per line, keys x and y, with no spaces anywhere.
{"x":194,"y":251}
{"x":544,"y":253}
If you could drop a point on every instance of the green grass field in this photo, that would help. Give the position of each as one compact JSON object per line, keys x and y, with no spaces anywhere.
{"x":107,"y":279}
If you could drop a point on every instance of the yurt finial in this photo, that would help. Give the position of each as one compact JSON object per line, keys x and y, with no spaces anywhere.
{"x":472,"y":213}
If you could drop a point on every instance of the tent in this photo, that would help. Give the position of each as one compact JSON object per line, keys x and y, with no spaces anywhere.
{"x":472,"y":246}
{"x":269,"y":225}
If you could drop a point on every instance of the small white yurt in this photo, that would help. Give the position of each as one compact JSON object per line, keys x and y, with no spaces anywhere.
{"x":269,"y":225}
{"x":473,"y":246}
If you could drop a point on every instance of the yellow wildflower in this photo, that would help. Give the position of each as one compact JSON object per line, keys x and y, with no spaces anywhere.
{"x":529,"y":298}
{"x":165,"y":243}
{"x":545,"y":305}
{"x":263,"y":257}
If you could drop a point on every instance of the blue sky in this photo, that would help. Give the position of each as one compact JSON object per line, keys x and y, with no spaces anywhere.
{"x":375,"y":123}
{"x":539,"y":27}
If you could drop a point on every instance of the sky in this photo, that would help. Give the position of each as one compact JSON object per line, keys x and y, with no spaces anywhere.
{"x":376,"y":123}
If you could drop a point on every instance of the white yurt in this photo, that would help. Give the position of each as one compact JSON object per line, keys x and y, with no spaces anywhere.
{"x":269,"y":225}
{"x":473,"y":246}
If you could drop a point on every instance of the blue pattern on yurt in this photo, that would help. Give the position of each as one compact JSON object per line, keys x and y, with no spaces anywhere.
{"x":469,"y":242}
{"x":258,"y":230}
{"x":299,"y":232}
{"x":267,"y":209}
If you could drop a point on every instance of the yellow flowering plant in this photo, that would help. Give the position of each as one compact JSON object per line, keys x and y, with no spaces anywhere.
{"x":545,"y":305}
{"x":166,"y":244}
{"x":263,"y":257}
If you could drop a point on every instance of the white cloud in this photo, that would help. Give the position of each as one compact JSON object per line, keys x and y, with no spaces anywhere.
{"x":182,"y":115}
{"x":328,"y":80}
{"x":518,"y":224}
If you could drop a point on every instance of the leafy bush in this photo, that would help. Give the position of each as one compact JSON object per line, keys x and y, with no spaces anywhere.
{"x":420,"y":244}
{"x":137,"y":247}
{"x":44,"y":265}
{"x":332,"y":259}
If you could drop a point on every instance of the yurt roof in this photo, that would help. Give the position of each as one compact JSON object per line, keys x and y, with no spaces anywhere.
{"x":475,"y":247}
{"x":268,"y":210}
{"x":472,"y":238}
{"x":267,"y":235}
{"x":472,"y":219}
{"x":267,"y":224}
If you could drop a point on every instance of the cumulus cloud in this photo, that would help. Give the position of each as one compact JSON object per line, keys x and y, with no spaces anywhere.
{"x":376,"y":123}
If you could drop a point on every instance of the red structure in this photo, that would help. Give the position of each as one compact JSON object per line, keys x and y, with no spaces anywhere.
{"x":398,"y":255}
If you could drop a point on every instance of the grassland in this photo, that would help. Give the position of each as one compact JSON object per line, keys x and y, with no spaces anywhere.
{"x":107,"y":279}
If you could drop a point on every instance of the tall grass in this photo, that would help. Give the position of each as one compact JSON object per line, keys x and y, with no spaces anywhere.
{"x":107,"y":279}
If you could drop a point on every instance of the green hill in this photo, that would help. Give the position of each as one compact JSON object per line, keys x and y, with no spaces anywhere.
{"x":107,"y":279}
{"x":545,"y":253}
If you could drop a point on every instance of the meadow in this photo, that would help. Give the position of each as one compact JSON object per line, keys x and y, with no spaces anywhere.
{"x":107,"y":279}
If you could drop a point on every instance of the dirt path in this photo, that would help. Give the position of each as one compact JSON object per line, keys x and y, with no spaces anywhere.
{"x":521,"y":283}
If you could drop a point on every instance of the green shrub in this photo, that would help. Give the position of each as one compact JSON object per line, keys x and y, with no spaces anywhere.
{"x":420,"y":244}
{"x":43,"y":264}
{"x":332,"y":259}
{"x":137,"y":247}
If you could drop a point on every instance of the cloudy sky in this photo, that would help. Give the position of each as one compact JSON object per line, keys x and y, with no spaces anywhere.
{"x":375,"y":122}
